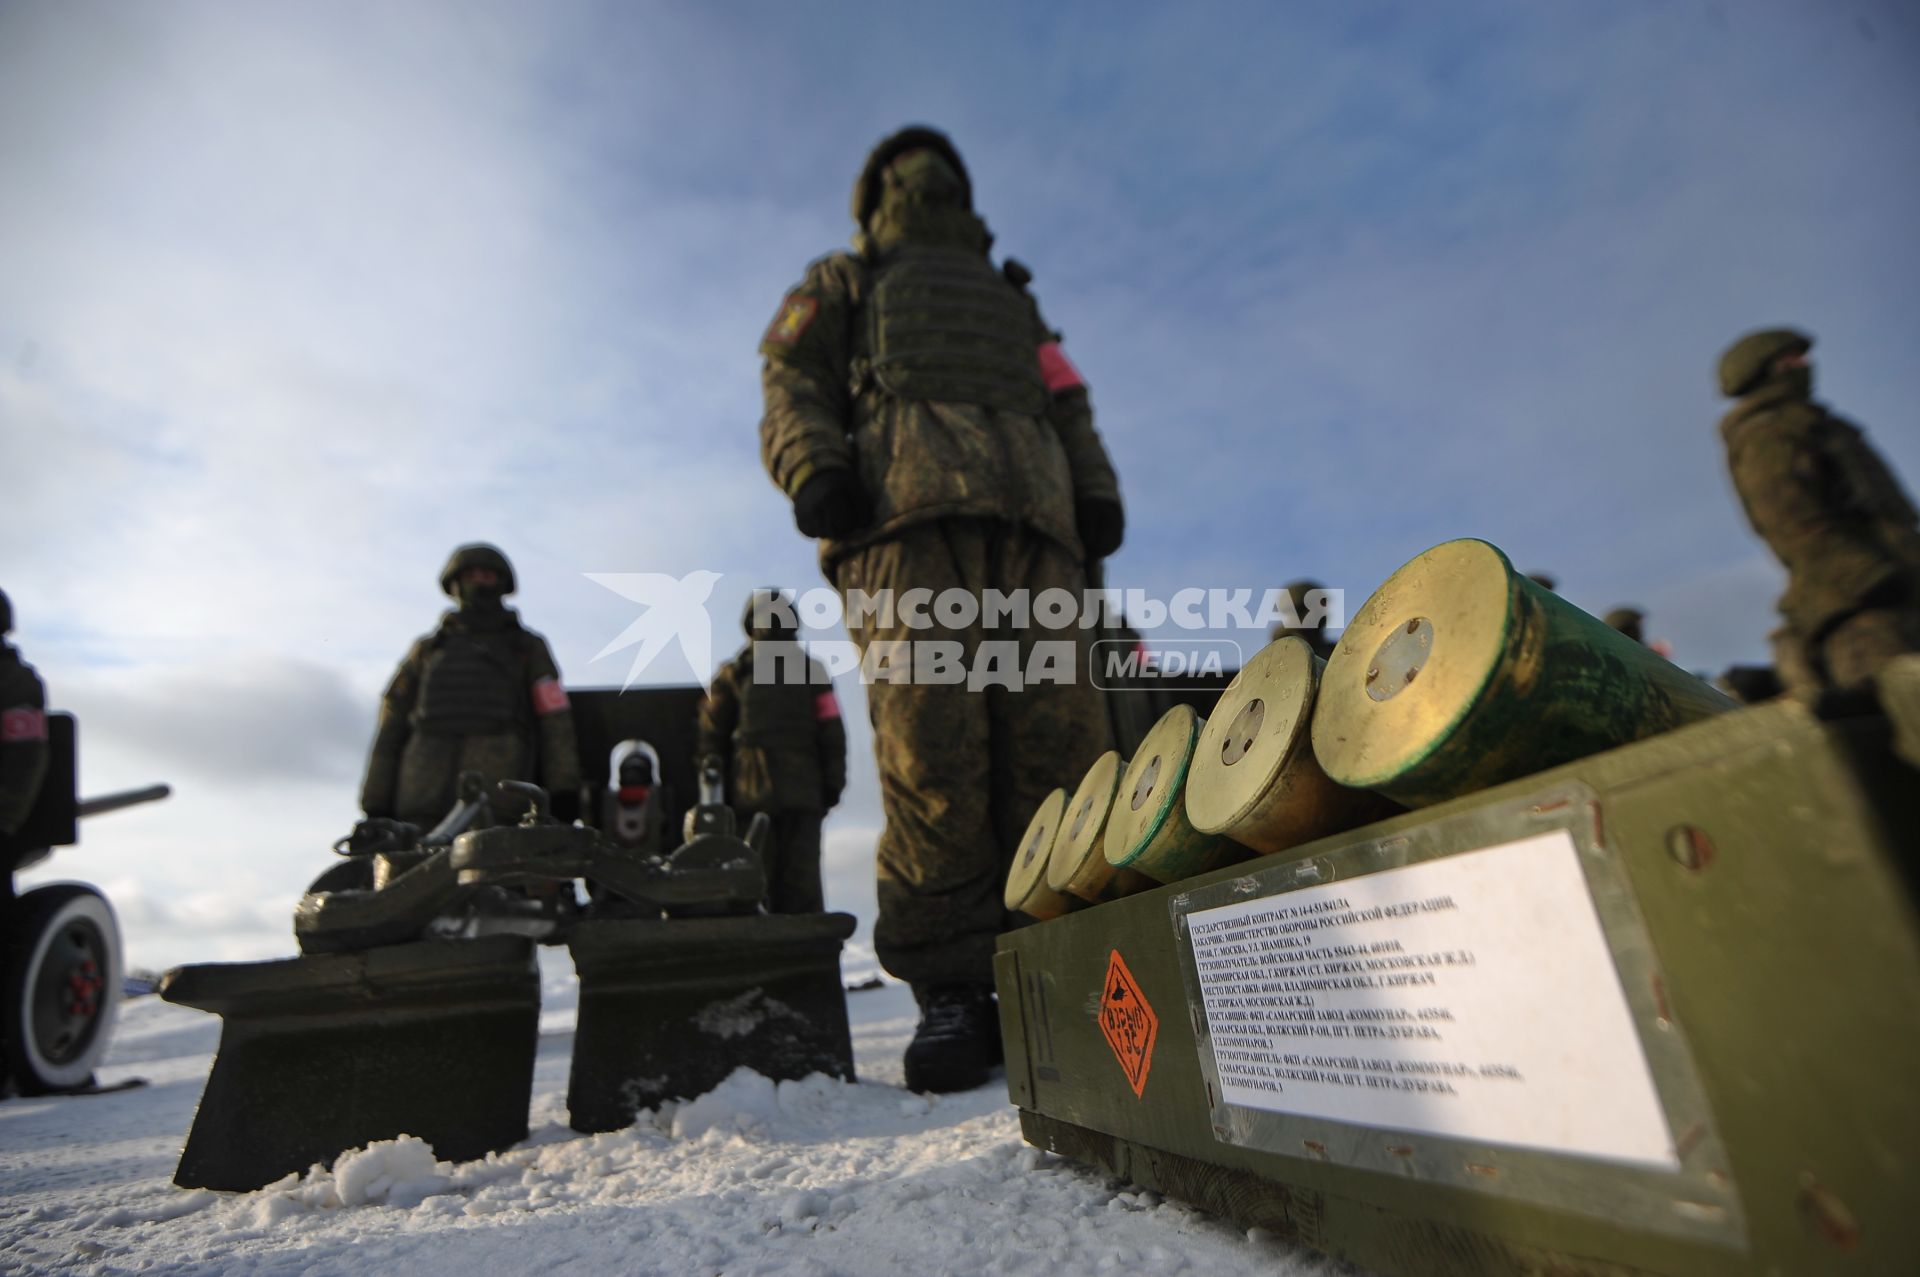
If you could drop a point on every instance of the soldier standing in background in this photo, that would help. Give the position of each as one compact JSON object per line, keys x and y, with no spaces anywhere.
{"x":1313,"y":630}
{"x":927,"y":427}
{"x":1832,"y":512}
{"x":1630,"y":621}
{"x":480,"y":693}
{"x":783,"y":745}
{"x":23,"y":740}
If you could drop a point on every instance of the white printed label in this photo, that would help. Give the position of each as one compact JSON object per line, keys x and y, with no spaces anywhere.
{"x":1471,"y":996}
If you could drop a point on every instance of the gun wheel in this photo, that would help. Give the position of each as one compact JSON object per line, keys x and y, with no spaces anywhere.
{"x":63,"y":987}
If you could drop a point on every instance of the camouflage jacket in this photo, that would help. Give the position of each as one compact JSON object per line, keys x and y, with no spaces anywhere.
{"x":1826,"y":504}
{"x":784,"y":744}
{"x":918,"y":459}
{"x":23,"y":738}
{"x":468,"y":678}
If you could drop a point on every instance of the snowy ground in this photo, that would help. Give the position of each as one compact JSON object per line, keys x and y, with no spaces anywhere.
{"x":813,"y":1177}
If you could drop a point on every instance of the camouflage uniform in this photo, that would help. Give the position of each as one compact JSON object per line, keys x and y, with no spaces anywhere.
{"x":786,"y":754}
{"x":920,"y":390}
{"x":480,"y":693}
{"x":1831,"y":511}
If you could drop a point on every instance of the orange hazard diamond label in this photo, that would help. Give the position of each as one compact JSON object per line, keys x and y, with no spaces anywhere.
{"x":1128,"y":1022}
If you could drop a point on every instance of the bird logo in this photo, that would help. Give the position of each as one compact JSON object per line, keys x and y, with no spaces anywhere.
{"x":673,"y":609}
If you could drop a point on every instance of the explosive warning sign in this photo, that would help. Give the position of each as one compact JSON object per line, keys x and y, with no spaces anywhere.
{"x":1472,"y":996}
{"x":1128,"y":1022}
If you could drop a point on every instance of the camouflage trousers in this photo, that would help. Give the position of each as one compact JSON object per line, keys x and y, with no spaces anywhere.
{"x":793,"y":862}
{"x":430,"y":768}
{"x":961,"y":770}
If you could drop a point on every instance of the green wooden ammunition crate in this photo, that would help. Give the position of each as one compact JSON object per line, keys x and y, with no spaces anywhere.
{"x":1657,"y":1010}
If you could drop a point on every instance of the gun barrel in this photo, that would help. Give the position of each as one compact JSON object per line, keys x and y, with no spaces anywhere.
{"x":125,"y":798}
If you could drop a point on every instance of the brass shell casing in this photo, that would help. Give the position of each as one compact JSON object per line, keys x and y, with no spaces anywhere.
{"x":1027,"y":890}
{"x":1460,"y":673}
{"x":1079,"y":865}
{"x":1254,"y":777}
{"x":1148,"y":829}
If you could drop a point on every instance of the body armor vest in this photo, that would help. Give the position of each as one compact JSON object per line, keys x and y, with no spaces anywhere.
{"x":774,"y":715}
{"x":471,"y":685}
{"x":943,"y":325}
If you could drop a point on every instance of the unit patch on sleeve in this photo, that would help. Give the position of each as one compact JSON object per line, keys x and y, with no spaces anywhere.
{"x":796,"y":312}
{"x":24,"y":724}
{"x":549,"y":697}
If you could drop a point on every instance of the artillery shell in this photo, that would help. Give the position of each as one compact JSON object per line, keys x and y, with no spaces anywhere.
{"x":1079,"y":863}
{"x":1254,"y":776}
{"x":1148,"y":829}
{"x":1460,"y":673}
{"x":1027,"y":889}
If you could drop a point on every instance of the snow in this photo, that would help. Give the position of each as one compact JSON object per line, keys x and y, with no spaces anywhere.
{"x":812,"y":1177}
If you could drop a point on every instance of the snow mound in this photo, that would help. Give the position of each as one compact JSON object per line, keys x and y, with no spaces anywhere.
{"x":786,"y":1179}
{"x":399,"y":1172}
{"x":747,"y":1100}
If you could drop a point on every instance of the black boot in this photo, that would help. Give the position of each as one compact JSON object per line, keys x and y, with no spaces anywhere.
{"x":958,"y":1041}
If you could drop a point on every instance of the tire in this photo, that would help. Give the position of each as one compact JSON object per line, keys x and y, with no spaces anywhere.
{"x":64,"y":970}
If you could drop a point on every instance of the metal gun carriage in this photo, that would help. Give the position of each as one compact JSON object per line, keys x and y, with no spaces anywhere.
{"x":414,"y":1007}
{"x":60,"y":954}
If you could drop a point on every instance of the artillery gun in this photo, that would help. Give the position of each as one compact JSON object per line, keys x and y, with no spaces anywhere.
{"x":60,"y":952}
{"x":1632,"y":987}
{"x":414,"y":1008}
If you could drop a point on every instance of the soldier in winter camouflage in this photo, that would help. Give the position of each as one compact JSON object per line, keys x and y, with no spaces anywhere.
{"x":1831,"y":511}
{"x":927,"y":427}
{"x":784,"y":746}
{"x":480,"y":693}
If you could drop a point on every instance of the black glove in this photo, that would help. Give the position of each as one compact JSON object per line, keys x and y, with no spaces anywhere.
{"x":831,"y":504}
{"x":1102,"y":525}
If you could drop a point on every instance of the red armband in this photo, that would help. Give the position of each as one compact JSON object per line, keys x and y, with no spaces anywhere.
{"x":23,"y":724}
{"x":549,"y":697}
{"x":825,"y":706}
{"x":1056,"y":369}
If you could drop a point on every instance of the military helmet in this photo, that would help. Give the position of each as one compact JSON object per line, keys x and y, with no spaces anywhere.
{"x":6,"y":613}
{"x":1298,"y":590}
{"x":478,"y":554}
{"x":1745,"y":364}
{"x":779,"y":604}
{"x":1627,"y":620}
{"x":866,"y":190}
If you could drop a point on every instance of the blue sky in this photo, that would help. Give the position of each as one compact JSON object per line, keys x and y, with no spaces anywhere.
{"x":295,"y":298}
